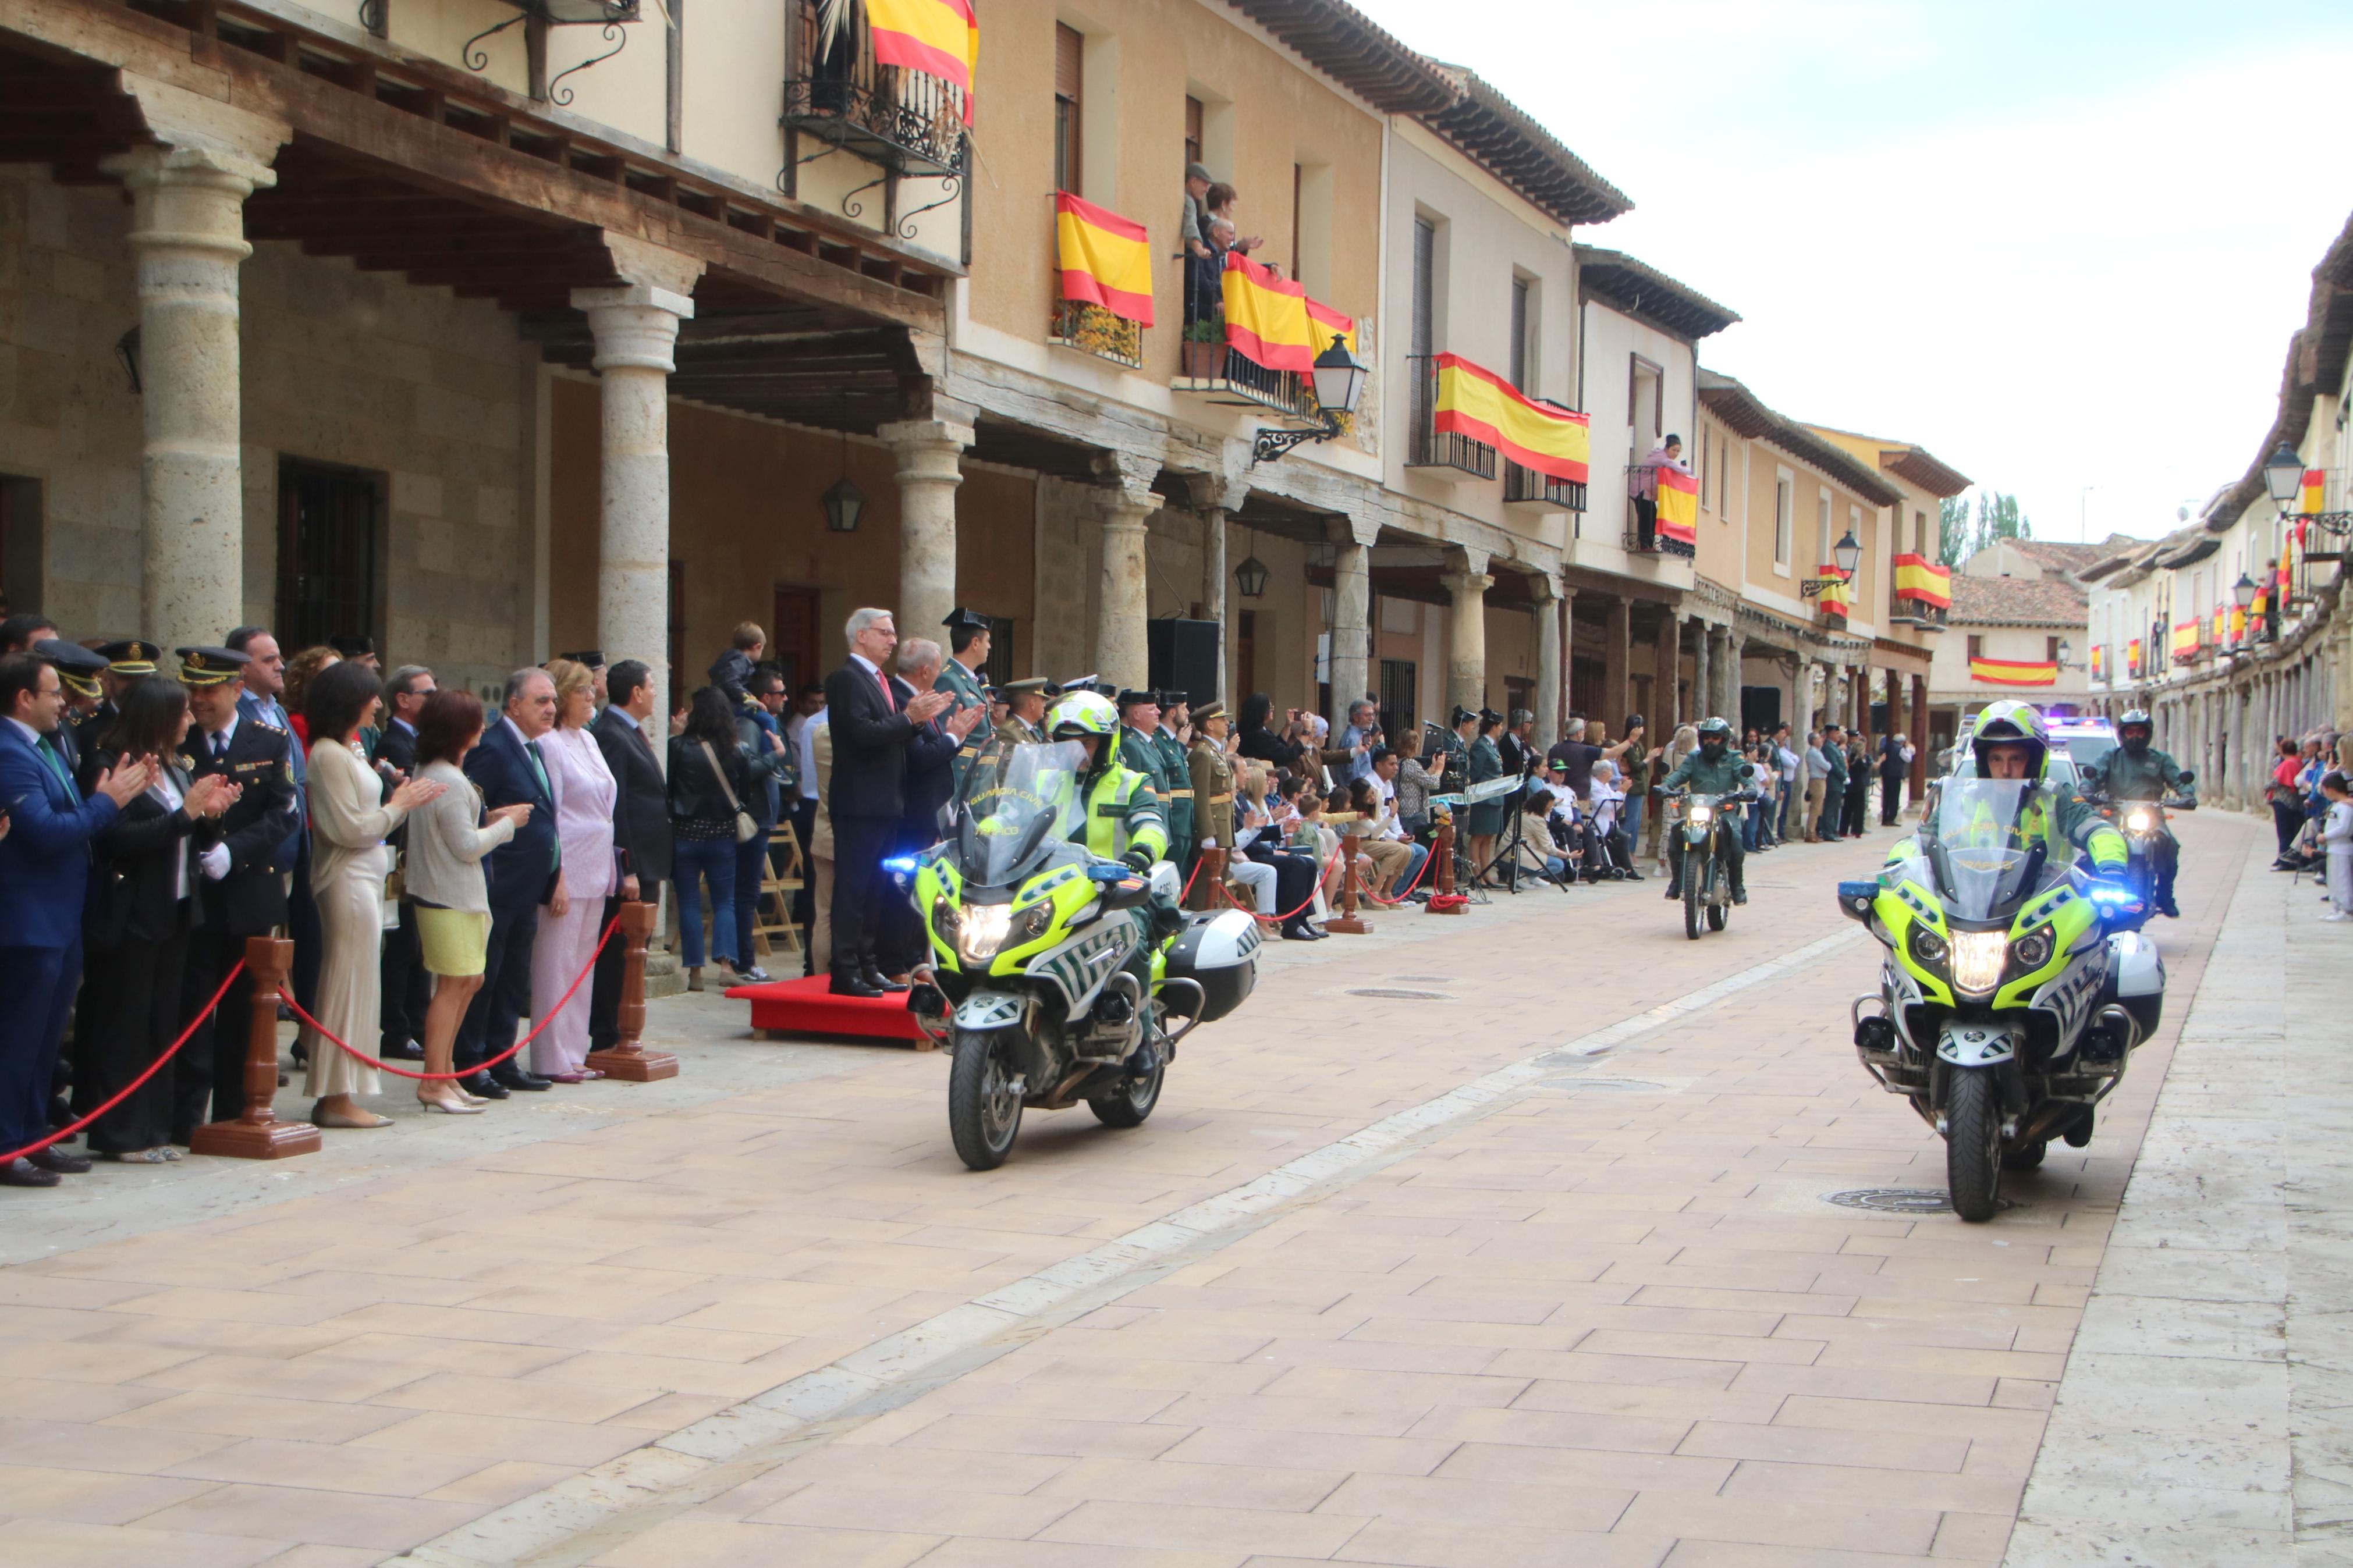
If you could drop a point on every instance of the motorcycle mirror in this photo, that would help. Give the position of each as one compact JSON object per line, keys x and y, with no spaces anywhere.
{"x":1855,"y":899}
{"x":2189,"y":775}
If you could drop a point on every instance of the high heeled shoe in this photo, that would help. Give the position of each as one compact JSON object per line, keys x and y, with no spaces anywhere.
{"x":467,"y":1106}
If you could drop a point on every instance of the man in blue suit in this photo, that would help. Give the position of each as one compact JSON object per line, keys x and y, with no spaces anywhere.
{"x":525,"y":872}
{"x":265,"y":681}
{"x":45,"y":865}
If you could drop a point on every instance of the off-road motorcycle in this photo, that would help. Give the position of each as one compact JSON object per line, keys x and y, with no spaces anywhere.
{"x":1699,"y":832}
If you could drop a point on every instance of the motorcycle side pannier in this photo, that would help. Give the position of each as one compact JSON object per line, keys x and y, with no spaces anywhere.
{"x":1220,"y":951}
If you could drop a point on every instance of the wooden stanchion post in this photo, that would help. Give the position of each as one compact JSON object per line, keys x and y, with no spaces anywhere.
{"x":1444,"y":850}
{"x":1345,"y":922}
{"x":258,"y":1134}
{"x":1208,"y":875}
{"x":627,"y":1060}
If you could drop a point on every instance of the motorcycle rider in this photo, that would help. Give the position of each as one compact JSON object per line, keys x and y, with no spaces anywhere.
{"x":1122,"y":820}
{"x":2139,"y":771}
{"x":2012,"y":741}
{"x":1714,"y":769}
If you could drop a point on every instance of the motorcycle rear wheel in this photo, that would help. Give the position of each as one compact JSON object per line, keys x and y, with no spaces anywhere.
{"x":1132,"y":1101}
{"x":984,"y":1109}
{"x":1973,"y":1143}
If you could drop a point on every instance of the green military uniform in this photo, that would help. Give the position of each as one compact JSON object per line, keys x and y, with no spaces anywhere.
{"x":1721,"y":775}
{"x":1013,"y":731}
{"x":1177,"y":793}
{"x":1483,"y":819}
{"x":2152,"y":776}
{"x":967,"y":688}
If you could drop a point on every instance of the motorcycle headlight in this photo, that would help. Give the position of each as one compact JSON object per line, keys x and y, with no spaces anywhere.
{"x":1927,"y":947}
{"x":2033,"y":949}
{"x":1698,"y":815}
{"x":2139,"y":821}
{"x":980,"y":931}
{"x":1978,"y":958}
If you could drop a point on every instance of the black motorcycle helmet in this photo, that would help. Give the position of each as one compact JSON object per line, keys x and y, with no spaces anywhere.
{"x":1715,"y":736}
{"x":2133,"y":731}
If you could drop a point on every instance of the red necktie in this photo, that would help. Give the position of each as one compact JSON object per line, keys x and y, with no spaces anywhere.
{"x":883,"y":681}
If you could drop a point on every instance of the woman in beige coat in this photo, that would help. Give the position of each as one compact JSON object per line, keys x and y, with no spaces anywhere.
{"x":349,"y":820}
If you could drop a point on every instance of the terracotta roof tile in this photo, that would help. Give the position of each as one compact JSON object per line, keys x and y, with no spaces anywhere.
{"x":2018,"y":600}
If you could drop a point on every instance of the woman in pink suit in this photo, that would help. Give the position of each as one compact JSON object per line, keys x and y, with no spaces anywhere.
{"x":570,"y":923}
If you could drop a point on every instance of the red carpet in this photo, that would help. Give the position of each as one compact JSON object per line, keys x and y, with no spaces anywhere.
{"x":783,"y":1007}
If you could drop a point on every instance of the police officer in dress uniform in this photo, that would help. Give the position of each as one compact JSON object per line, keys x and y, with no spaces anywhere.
{"x":1211,"y":774}
{"x":126,"y":661}
{"x":959,"y":677}
{"x":247,"y":895}
{"x":1176,"y":774}
{"x":1025,"y":710}
{"x":1139,"y":720}
{"x":81,"y":671}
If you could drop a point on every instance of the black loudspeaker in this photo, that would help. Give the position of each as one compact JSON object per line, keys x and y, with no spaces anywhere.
{"x":1183,"y":655}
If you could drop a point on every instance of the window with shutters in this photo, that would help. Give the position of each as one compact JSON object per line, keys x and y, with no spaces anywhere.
{"x":1425,"y":446}
{"x":1520,"y":326}
{"x":1192,"y":129}
{"x":1069,"y":94}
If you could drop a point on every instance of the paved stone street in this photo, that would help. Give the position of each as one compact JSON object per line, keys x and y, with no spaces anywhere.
{"x":1481,"y":1242}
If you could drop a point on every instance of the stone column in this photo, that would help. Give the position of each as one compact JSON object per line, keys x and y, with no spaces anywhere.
{"x":1214,"y":498}
{"x":634,"y":328}
{"x":928,"y":453}
{"x":1703,"y":688}
{"x":1667,"y":652}
{"x":1617,"y":655}
{"x":1566,"y":617}
{"x":1550,"y":684}
{"x":1121,"y":654}
{"x":1735,"y":650}
{"x":188,"y":236}
{"x":1466,"y":659}
{"x":1352,"y":608}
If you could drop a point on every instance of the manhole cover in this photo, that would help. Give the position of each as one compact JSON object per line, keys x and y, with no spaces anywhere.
{"x":1396,"y":996}
{"x":1893,"y":1200}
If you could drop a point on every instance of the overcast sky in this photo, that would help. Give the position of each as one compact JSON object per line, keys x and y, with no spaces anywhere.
{"x":2059,"y":245}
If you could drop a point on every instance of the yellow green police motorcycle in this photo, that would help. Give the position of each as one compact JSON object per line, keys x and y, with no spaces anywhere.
{"x":2014,"y":989}
{"x":1058,"y":975}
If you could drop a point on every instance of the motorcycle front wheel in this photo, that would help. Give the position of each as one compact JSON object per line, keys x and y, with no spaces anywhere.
{"x":1973,"y":1143}
{"x":1691,"y":896}
{"x":984,"y":1105}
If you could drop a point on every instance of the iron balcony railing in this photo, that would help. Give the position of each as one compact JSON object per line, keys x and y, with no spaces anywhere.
{"x":1427,"y":446}
{"x":906,"y":120}
{"x":1527,"y":484}
{"x":1226,"y":375}
{"x":1091,"y":329}
{"x":1658,"y":543}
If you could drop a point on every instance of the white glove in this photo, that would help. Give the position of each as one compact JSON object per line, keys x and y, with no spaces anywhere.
{"x":214,"y":862}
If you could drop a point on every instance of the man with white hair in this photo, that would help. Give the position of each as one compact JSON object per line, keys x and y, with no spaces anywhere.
{"x":932,"y":751}
{"x":871,"y":722}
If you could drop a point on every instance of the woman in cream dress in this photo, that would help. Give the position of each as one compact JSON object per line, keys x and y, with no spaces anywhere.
{"x":569,"y":922}
{"x":349,"y":819}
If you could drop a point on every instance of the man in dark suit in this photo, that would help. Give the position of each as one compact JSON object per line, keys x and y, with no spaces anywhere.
{"x":640,"y":827}
{"x":243,"y":885}
{"x":932,"y":747}
{"x":871,"y":724}
{"x":523,"y":873}
{"x":404,"y":991}
{"x":45,"y":867}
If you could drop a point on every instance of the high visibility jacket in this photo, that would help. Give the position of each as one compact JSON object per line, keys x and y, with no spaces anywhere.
{"x":2063,"y":826}
{"x":1123,"y":813}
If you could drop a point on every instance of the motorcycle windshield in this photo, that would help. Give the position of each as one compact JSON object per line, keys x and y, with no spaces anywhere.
{"x":1980,"y":845}
{"x":1018,"y":800}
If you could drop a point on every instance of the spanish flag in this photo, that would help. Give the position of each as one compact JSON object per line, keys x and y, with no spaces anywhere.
{"x":1837,"y":596}
{"x":2185,"y":639}
{"x":1478,"y":403}
{"x":1105,"y":260}
{"x":2316,"y":491}
{"x":2132,"y":657}
{"x":2238,"y":620}
{"x":2013,"y":672}
{"x":938,"y":37}
{"x":1266,"y":317}
{"x":1678,"y":505}
{"x":1917,"y":577}
{"x":2099,"y":661}
{"x":1325,"y":323}
{"x":2222,"y":624}
{"x":2286,"y":579}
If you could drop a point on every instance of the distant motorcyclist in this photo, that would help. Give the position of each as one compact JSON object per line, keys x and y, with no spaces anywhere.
{"x":1714,"y":769}
{"x":2012,"y":741}
{"x":2139,"y":771}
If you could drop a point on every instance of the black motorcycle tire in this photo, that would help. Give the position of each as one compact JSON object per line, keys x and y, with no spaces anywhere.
{"x":978,"y":1120}
{"x":1132,"y":1101}
{"x":1973,"y":1160}
{"x":2028,"y":1157}
{"x":1691,"y":896}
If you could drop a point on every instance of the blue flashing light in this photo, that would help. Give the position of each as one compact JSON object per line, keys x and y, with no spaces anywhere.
{"x":904,"y":864}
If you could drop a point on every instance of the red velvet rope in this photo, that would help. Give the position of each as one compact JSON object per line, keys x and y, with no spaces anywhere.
{"x":1285,"y":918}
{"x":1419,"y":873}
{"x":321,"y":1029}
{"x":78,"y":1123}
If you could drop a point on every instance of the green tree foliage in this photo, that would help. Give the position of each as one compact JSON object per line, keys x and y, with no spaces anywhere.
{"x":1962,"y":535}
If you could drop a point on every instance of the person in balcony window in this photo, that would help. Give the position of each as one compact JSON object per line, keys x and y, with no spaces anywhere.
{"x":1643,"y":486}
{"x":1191,"y":238}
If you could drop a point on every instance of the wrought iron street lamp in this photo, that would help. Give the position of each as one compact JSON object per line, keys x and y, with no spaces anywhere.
{"x":2244,"y":592}
{"x":1846,"y":554}
{"x":843,"y":502}
{"x":1339,"y":382}
{"x":2283,"y":478}
{"x":1251,"y":578}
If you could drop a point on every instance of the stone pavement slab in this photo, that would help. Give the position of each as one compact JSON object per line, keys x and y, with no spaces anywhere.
{"x":1557,"y":1307}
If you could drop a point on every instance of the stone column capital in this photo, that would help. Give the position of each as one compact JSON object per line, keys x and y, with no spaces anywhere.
{"x":1464,"y":584}
{"x":1344,"y":529}
{"x":642,"y":262}
{"x":1545,"y":587}
{"x":1216,"y":492}
{"x":907,"y":437}
{"x":635,"y":325}
{"x":1123,"y":484}
{"x":1467,"y":559}
{"x":187,"y":121}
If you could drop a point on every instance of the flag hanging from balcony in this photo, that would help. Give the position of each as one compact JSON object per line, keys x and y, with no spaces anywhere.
{"x":2014,"y":671}
{"x":1325,"y":323}
{"x":1477,"y":404}
{"x":938,"y":37}
{"x":2222,"y":624}
{"x":1266,"y":317}
{"x":2239,"y":621}
{"x":1104,"y":259}
{"x":1837,"y":596}
{"x":2099,"y":662}
{"x":2132,"y":657}
{"x":2185,"y":639}
{"x":1917,"y":577}
{"x":1678,"y":501}
{"x":2316,"y":491}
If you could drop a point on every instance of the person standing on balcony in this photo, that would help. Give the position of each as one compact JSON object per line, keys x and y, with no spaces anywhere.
{"x":1642,"y":486}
